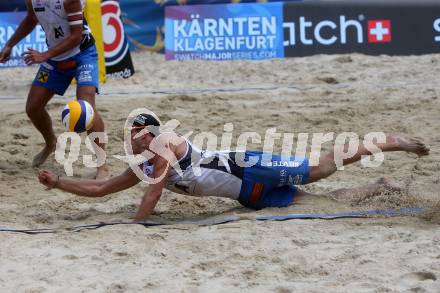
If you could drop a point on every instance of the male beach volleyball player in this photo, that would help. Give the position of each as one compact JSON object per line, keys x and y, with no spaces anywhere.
{"x":71,"y":54}
{"x":177,"y":165}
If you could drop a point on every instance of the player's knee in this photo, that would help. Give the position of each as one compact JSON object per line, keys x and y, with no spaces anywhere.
{"x":88,"y":94}
{"x":325,"y":168}
{"x":329,"y":164}
{"x":326,"y":162}
{"x":33,"y":109}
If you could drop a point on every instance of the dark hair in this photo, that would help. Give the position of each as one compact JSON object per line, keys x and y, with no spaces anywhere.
{"x":145,"y":120}
{"x":149,"y":121}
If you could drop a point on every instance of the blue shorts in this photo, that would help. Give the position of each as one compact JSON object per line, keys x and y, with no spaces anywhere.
{"x":271,"y":181}
{"x":58,"y":75}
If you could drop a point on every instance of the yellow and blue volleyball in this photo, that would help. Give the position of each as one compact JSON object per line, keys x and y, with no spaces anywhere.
{"x":78,"y":116}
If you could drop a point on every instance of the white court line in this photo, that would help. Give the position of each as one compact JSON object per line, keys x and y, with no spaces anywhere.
{"x":188,"y":91}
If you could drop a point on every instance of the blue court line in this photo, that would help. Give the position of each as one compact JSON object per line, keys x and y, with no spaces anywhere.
{"x":209,"y":222}
{"x":360,"y":214}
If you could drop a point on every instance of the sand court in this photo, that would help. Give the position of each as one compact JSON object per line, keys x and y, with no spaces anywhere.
{"x":341,"y":93}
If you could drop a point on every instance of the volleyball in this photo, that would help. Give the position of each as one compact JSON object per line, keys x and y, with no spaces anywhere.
{"x":78,"y":116}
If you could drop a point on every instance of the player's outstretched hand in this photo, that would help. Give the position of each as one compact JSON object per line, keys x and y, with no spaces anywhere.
{"x":48,"y":178}
{"x":5,"y":54}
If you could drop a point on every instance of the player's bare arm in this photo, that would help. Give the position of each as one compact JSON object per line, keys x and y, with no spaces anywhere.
{"x":154,"y":192}
{"x":99,"y":188}
{"x":89,"y":188}
{"x":167,"y":148}
{"x":25,"y":28}
{"x":75,"y":17}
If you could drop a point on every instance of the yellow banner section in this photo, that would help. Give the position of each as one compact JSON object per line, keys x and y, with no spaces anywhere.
{"x":93,"y":15}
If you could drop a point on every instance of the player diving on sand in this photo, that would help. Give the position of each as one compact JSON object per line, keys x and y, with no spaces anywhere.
{"x":71,"y":54}
{"x":254,"y":178}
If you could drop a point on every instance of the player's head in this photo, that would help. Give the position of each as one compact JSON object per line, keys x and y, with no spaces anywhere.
{"x":145,"y":128}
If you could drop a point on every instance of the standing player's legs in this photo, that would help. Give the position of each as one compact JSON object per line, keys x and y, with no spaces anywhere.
{"x":88,"y":93}
{"x":35,"y":108}
{"x":327,"y":165}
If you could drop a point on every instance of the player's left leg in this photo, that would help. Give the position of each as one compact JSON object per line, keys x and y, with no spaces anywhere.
{"x":88,"y":93}
{"x":327,"y":163}
{"x":87,"y":77}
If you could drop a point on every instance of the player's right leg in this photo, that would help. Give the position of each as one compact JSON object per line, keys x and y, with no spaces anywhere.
{"x":48,"y":81}
{"x":35,"y":108}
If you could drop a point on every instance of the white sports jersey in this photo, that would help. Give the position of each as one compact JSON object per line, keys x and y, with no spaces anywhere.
{"x":205,"y":173}
{"x":53,"y":18}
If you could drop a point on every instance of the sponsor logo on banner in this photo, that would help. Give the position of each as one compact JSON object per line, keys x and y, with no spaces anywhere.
{"x":9,"y":22}
{"x":436,"y":26}
{"x":117,"y":56}
{"x":363,"y":27}
{"x":224,"y":32}
{"x":328,"y":32}
{"x":379,"y":31}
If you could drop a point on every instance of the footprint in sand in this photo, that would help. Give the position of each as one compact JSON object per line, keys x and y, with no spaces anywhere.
{"x":70,"y":257}
{"x":344,"y":59}
{"x":183,"y":98}
{"x":55,"y":105}
{"x":19,"y":136}
{"x":328,"y":79}
{"x":12,"y":151}
{"x":420,"y":276}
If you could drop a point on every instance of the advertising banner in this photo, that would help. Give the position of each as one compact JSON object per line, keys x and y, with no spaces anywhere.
{"x":392,"y":28}
{"x":144,"y":20}
{"x":12,"y":5}
{"x":92,"y":13}
{"x":107,"y":28}
{"x":224,"y":32}
{"x":9,"y":22}
{"x":116,"y":52}
{"x":262,"y":31}
{"x":302,"y":28}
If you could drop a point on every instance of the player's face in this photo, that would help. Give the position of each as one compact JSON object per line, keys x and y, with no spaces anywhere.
{"x":136,"y":139}
{"x":140,"y":141}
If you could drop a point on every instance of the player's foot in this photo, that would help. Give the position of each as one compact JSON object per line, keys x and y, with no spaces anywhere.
{"x":410,"y":144}
{"x":102,"y":173}
{"x":41,"y":157}
{"x":389,"y":184}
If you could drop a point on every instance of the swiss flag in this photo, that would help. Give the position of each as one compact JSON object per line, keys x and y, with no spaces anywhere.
{"x":379,"y":31}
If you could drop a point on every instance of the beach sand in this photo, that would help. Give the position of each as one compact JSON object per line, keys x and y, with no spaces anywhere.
{"x":346,"y":93}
